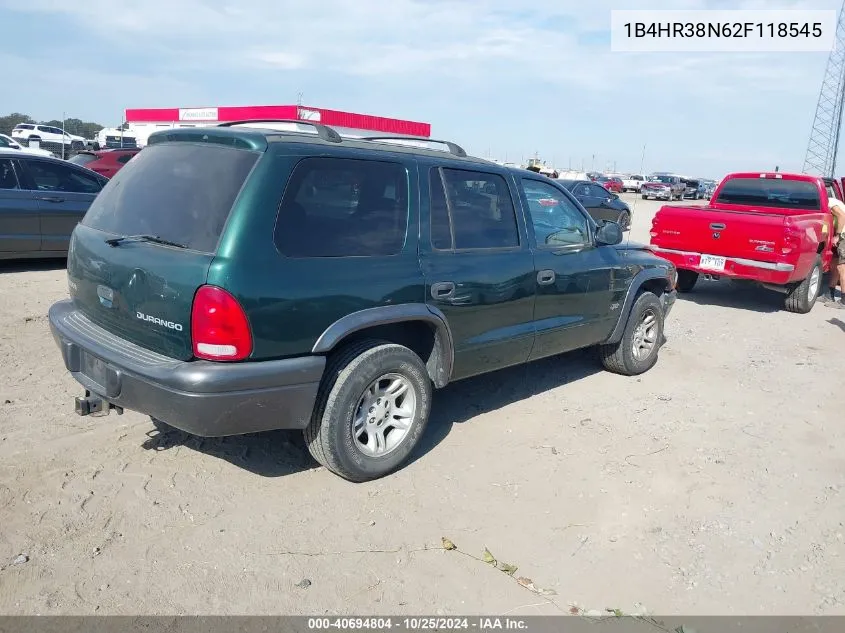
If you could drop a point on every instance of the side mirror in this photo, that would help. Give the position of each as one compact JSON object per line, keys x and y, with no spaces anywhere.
{"x":609,"y":234}
{"x":614,"y":196}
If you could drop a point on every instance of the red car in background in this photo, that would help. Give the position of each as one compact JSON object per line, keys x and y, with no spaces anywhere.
{"x":611,"y":183}
{"x":106,"y":162}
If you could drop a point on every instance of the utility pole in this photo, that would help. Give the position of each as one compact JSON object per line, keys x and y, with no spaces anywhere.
{"x":593,"y":164}
{"x":299,"y":105}
{"x":64,"y":116}
{"x":642,"y":161}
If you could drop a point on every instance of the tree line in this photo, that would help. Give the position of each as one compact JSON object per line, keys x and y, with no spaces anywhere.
{"x":78,"y":127}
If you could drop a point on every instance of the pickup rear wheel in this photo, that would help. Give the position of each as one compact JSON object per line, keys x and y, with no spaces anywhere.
{"x":686,"y":280}
{"x":637,"y":351}
{"x":802,"y":297}
{"x":371,"y":410}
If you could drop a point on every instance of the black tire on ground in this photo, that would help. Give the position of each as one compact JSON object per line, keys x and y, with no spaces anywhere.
{"x":645,"y":197}
{"x":802,"y":297}
{"x":349,"y":372}
{"x":686,"y":280}
{"x":619,"y":357}
{"x":624,"y":220}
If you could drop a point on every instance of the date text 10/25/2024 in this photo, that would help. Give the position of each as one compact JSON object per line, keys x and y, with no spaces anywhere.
{"x":418,"y":623}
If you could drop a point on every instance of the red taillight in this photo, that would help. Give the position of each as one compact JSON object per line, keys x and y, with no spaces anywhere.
{"x":791,"y":236}
{"x":219,"y":327}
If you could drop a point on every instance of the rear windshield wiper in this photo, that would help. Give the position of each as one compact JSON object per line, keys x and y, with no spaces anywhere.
{"x":143,"y":238}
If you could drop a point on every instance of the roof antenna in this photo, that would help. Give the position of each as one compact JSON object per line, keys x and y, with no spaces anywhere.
{"x":636,"y":199}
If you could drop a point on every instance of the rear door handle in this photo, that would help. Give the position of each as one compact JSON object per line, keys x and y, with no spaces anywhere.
{"x":443,"y":290}
{"x":546,"y":277}
{"x":50,"y":198}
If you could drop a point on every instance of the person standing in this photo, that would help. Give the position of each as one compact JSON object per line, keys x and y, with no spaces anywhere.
{"x":837,"y":263}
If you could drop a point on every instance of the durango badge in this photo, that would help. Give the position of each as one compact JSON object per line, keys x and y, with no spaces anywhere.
{"x":157,"y":321}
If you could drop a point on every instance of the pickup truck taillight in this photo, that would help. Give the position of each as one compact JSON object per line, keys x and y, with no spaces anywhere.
{"x":791,"y":236}
{"x":654,"y":232}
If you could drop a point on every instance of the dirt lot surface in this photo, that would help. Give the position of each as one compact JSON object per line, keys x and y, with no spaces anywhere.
{"x":714,"y":484}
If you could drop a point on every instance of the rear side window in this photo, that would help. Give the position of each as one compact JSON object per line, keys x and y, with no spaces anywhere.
{"x":182,"y":192}
{"x":338,"y":207}
{"x":471,"y":210}
{"x":770,"y":192}
{"x":8,"y":180}
{"x":82,"y":159}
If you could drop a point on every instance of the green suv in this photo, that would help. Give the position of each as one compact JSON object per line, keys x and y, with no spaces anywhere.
{"x":239,"y":278}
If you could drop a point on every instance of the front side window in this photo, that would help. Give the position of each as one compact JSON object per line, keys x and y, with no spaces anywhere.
{"x":52,"y":177}
{"x":338,"y":207}
{"x":557,"y":221}
{"x":471,"y":210}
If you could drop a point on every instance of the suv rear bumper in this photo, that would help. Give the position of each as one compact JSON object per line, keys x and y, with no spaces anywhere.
{"x":200,"y":397}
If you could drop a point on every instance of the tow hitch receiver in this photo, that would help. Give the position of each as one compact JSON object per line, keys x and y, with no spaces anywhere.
{"x":92,"y":404}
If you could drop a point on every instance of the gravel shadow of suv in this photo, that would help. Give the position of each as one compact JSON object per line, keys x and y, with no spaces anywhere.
{"x":238,"y":279}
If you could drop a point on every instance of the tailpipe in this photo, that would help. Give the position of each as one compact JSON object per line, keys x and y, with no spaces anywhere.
{"x":709,"y":277}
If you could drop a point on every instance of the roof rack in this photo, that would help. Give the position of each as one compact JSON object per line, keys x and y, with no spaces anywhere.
{"x":454,"y":148}
{"x":323,"y":131}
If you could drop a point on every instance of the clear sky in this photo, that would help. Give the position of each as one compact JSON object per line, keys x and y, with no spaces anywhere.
{"x":504,"y":78}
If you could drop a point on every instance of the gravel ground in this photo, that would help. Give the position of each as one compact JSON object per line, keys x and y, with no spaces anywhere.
{"x":714,"y":484}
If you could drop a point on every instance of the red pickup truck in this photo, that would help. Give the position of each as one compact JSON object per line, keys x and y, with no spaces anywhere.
{"x":771,"y":228}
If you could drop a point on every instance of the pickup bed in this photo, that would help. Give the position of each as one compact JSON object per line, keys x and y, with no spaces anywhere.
{"x":771,"y":228}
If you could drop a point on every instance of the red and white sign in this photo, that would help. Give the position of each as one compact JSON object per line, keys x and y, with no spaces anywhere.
{"x":334,"y":118}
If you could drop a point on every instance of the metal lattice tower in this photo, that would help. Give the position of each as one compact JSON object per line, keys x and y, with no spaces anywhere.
{"x":824,"y":137}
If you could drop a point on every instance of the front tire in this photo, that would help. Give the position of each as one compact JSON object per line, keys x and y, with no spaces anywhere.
{"x":371,"y":410}
{"x":638,"y":349}
{"x":802,"y":297}
{"x":624,"y":220}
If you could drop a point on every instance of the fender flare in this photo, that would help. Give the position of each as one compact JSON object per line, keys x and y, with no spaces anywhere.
{"x":633,"y":290}
{"x":442,"y":358}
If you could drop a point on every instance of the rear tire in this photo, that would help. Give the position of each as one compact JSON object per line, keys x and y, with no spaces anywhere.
{"x":643,"y":332}
{"x":332,"y":437}
{"x":802,"y":297}
{"x":686,"y":280}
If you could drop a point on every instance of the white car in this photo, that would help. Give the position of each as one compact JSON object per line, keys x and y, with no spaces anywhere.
{"x":7,"y":142}
{"x":568,"y":174}
{"x":26,"y":132}
{"x":633,"y":182}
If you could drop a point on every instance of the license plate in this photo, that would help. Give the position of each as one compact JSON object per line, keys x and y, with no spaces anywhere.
{"x":711,"y":262}
{"x":95,"y":369}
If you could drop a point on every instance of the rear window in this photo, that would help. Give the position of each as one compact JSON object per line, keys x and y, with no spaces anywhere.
{"x":24,"y":126}
{"x":340,"y":207}
{"x":770,"y":192}
{"x":82,"y":159}
{"x":180,"y":192}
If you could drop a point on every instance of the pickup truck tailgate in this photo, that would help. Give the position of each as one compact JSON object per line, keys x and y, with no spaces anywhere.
{"x":712,"y":231}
